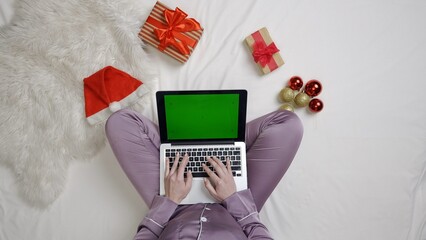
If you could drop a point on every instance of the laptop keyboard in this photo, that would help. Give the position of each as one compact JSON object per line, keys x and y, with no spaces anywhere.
{"x":197,"y":156}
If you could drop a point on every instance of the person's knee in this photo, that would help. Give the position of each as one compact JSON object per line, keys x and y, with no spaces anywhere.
{"x":291,"y":120}
{"x":117,"y":118}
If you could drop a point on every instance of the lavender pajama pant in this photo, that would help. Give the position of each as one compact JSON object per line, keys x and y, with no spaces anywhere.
{"x":271,"y":140}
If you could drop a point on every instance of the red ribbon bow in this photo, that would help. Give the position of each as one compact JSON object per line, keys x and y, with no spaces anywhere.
{"x":171,"y":34}
{"x":262,"y":54}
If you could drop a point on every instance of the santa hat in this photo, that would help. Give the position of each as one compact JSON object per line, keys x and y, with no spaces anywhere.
{"x":109,"y":90}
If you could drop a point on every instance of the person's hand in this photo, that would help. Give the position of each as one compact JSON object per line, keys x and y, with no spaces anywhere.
{"x":176,"y":186}
{"x":220,"y":184}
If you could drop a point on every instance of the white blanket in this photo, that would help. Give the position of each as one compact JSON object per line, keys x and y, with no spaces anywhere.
{"x":360,"y":171}
{"x":46,"y":51}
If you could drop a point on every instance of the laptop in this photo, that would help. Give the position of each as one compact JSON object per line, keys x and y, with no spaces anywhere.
{"x":203,"y":123}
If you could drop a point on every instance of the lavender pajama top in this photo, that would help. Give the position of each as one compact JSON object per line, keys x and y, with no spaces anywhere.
{"x":272,"y":142}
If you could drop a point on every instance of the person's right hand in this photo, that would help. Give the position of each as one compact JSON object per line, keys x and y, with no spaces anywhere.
{"x":176,"y":186}
{"x":221,"y":184}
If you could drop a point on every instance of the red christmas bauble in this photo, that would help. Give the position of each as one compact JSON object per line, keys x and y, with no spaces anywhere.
{"x":316,"y":105}
{"x":313,"y":88}
{"x":295,"y":83}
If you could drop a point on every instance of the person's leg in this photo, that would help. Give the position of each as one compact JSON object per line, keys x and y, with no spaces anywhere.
{"x":272,"y":142}
{"x":135,"y":142}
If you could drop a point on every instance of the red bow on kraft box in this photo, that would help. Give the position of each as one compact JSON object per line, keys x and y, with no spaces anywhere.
{"x":171,"y":32}
{"x":264,"y":51}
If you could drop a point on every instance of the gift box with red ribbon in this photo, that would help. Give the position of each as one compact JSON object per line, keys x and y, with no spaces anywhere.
{"x":171,"y":32}
{"x":264,"y":51}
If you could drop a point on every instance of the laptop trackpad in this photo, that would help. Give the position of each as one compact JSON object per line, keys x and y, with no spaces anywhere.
{"x":198,"y":193}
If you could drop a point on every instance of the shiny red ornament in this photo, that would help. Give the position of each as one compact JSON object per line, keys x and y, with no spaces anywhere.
{"x":313,"y":88}
{"x":316,"y":105}
{"x":295,"y":83}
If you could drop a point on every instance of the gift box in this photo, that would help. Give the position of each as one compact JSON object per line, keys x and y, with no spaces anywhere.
{"x":264,"y":51}
{"x":171,"y":32}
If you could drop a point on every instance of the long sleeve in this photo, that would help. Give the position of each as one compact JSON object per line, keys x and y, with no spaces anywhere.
{"x":157,"y":218}
{"x":242,"y":207}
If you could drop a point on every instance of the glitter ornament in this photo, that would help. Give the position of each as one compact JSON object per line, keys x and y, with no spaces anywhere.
{"x":286,"y":95}
{"x":302,"y":99}
{"x":313,"y":88}
{"x":316,"y":105}
{"x":295,"y":83}
{"x":287,"y":107}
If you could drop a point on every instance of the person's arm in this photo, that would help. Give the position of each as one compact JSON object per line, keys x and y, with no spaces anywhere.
{"x":162,"y":208}
{"x":157,"y":218}
{"x":240,"y":205}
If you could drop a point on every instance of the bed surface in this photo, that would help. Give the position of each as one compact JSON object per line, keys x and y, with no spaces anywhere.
{"x":360,"y":170}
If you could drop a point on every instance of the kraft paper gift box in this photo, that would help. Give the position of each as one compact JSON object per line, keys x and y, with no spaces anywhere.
{"x":264,"y":51}
{"x":171,"y":32}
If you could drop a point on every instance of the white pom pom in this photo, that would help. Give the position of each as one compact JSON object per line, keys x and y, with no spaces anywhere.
{"x":140,"y":92}
{"x":114,"y":106}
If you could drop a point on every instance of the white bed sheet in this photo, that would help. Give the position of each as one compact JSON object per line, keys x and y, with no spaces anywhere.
{"x":360,"y":171}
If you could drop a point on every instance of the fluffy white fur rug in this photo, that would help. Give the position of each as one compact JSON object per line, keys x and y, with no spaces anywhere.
{"x":45,"y":52}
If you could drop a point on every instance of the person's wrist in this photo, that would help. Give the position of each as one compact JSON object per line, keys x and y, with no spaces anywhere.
{"x":174,"y":199}
{"x":228,"y":197}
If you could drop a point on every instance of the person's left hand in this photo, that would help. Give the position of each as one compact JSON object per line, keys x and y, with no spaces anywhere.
{"x":221,"y":184}
{"x":176,"y":186}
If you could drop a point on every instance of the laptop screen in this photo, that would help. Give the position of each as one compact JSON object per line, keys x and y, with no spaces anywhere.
{"x":194,"y":116}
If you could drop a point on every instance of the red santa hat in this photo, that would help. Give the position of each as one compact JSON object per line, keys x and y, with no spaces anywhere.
{"x":109,"y":90}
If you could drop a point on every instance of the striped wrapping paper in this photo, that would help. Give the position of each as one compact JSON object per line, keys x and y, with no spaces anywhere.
{"x":263,"y":35}
{"x":147,"y":34}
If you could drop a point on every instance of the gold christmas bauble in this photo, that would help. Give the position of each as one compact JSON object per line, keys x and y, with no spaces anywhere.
{"x":302,"y":99}
{"x":286,"y":94}
{"x":287,"y":107}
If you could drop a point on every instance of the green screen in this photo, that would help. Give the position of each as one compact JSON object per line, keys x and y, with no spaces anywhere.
{"x":201,"y":116}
